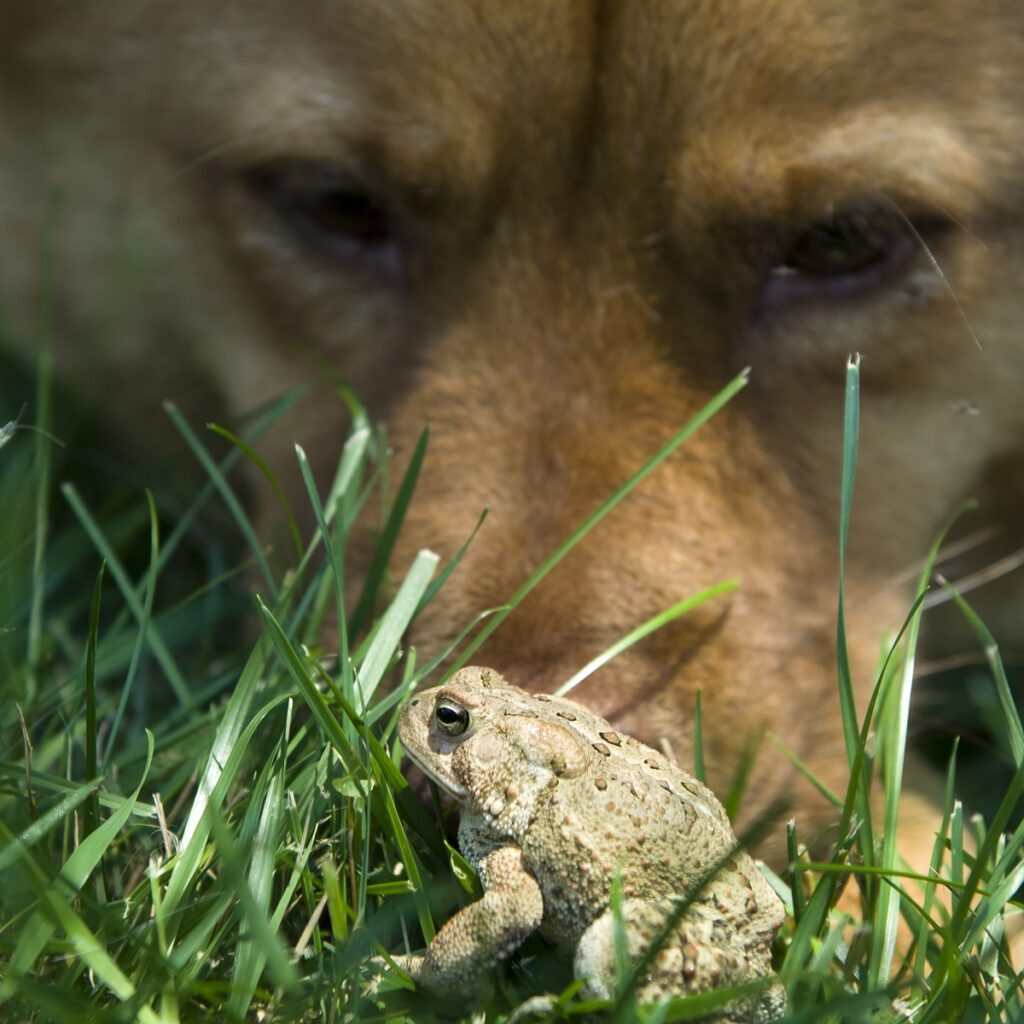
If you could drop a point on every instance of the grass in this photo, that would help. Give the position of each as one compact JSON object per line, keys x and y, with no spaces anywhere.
{"x":196,"y":825}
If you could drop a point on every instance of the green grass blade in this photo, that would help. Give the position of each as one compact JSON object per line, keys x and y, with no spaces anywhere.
{"x":411,"y":865}
{"x":143,"y":632}
{"x":796,"y":870}
{"x":815,"y":916}
{"x":257,"y":425}
{"x":91,"y":750}
{"x":336,"y":906}
{"x":253,"y":908}
{"x":58,"y":784}
{"x":893,"y":735}
{"x":156,"y":643}
{"x":386,"y":543}
{"x":1014,"y":730}
{"x":383,"y":803}
{"x":699,"y":768}
{"x":220,"y":482}
{"x":443,"y":575}
{"x":43,"y":447}
{"x":353,"y":459}
{"x":260,"y":463}
{"x":655,"y":622}
{"x":225,"y":752}
{"x":986,"y":850}
{"x":851,"y":433}
{"x":721,"y":399}
{"x":85,"y":943}
{"x":733,"y":799}
{"x":26,"y":839}
{"x":937,"y":858}
{"x":334,"y":560}
{"x":394,"y":623}
{"x":620,"y":945}
{"x":253,"y":949}
{"x":993,"y":904}
{"x":79,"y":866}
{"x":817,"y":908}
{"x":324,"y":716}
{"x":795,"y":760}
{"x":847,"y":703}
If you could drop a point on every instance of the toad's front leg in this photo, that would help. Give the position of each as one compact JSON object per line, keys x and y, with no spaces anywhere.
{"x":487,"y":931}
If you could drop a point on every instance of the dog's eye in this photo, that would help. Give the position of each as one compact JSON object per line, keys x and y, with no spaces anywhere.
{"x":331,"y":214}
{"x":848,"y":244}
{"x":860,"y":247}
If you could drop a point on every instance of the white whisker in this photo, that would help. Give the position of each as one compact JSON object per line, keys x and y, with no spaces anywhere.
{"x":935,"y":265}
{"x":1002,"y":567}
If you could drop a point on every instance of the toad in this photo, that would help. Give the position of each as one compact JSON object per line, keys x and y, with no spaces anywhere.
{"x":555,"y":804}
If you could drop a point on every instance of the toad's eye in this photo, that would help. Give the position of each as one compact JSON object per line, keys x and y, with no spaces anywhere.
{"x":861,"y":246}
{"x":451,"y":717}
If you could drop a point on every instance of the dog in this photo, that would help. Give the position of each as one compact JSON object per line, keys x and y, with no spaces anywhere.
{"x":552,"y":232}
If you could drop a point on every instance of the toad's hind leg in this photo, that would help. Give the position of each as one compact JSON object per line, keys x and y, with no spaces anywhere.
{"x":698,"y":954}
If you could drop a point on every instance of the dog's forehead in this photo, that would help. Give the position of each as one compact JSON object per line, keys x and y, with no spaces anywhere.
{"x":665,"y":68}
{"x":742,"y":103}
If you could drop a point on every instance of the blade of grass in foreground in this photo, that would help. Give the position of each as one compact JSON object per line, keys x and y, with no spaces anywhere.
{"x":260,"y":945}
{"x":1014,"y":729}
{"x":59,"y":784}
{"x":220,"y":482}
{"x":394,"y":623}
{"x":91,"y":744}
{"x":942,"y":837}
{"x":857,"y":804}
{"x":225,"y":744}
{"x":655,"y":622}
{"x":986,"y":854}
{"x":699,"y":767}
{"x":260,"y":463}
{"x":83,"y":940}
{"x":161,"y":652}
{"x":334,"y":561}
{"x":721,"y":399}
{"x":817,"y":908}
{"x":381,"y":796}
{"x":256,"y":425}
{"x":141,"y":636}
{"x":295,"y":664}
{"x":340,"y":497}
{"x":851,"y":432}
{"x":79,"y":866}
{"x":895,"y":715}
{"x":443,"y":575}
{"x":330,"y":726}
{"x":386,"y":543}
{"x":43,"y":440}
{"x":50,"y":819}
{"x":861,"y":802}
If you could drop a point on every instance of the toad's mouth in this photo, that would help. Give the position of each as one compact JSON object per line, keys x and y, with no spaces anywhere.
{"x":448,"y":784}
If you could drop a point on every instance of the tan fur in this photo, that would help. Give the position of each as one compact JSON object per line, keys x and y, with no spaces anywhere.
{"x":593,"y":193}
